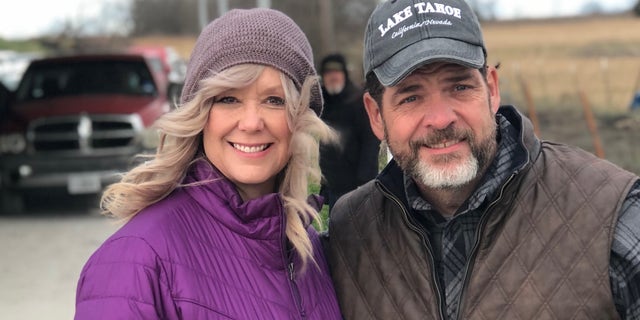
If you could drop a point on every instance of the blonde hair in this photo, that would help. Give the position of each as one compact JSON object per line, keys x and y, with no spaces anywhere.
{"x":181,"y":143}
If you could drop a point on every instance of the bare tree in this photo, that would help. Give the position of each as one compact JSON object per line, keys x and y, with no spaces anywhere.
{"x":104,"y":31}
{"x":591,"y":7}
{"x":173,"y":17}
{"x":327,"y":31}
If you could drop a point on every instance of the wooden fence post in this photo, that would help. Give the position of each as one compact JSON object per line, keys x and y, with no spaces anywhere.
{"x":591,"y":124}
{"x":531,"y":106}
{"x":604,"y":68}
{"x":588,"y":114}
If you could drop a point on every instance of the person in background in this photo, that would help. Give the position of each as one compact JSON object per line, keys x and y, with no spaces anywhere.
{"x":218,"y":221}
{"x":635,"y":102}
{"x":475,"y":217}
{"x":353,"y":161}
{"x":4,"y":100}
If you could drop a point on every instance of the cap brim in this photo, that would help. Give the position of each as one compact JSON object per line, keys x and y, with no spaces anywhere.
{"x":426,"y":51}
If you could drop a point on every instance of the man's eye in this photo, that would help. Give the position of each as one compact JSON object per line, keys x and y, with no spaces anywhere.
{"x":409,"y":99}
{"x":461,"y":87}
{"x":275,"y":101}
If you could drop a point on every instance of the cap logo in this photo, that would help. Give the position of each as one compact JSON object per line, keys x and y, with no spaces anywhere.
{"x":422,"y":8}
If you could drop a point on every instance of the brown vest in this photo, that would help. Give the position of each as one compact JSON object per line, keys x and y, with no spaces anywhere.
{"x":543,"y":253}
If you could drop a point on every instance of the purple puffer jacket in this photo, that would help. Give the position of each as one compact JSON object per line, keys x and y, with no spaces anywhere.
{"x":202,"y":253}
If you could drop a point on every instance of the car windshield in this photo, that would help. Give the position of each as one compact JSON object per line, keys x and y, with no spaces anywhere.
{"x":44,"y":81}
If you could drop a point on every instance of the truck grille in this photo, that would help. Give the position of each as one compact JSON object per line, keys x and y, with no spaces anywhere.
{"x":85,"y":134}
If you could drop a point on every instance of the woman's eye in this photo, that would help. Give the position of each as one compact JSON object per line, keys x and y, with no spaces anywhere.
{"x":226,"y":100}
{"x":275,"y":101}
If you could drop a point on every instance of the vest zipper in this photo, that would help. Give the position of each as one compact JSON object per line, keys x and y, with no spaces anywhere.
{"x":413,"y":226}
{"x":474,"y":251}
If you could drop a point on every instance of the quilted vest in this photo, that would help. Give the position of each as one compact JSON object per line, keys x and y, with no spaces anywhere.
{"x":543,"y":249}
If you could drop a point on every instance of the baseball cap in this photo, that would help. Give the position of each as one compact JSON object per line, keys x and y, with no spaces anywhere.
{"x":403,"y":35}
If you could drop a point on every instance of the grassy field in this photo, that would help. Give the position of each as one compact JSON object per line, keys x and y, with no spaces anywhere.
{"x":600,"y":55}
{"x":555,"y":61}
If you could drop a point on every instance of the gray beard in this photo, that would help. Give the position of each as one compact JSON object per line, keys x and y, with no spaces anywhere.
{"x":447,"y":178}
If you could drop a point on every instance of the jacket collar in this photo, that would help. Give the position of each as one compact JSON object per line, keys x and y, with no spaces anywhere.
{"x":260,"y":218}
{"x":525,"y":130}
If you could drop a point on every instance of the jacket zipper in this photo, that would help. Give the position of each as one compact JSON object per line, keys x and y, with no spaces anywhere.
{"x":425,"y":241}
{"x":474,"y":251}
{"x":483,"y":220}
{"x":287,"y":259}
{"x":295,"y":291}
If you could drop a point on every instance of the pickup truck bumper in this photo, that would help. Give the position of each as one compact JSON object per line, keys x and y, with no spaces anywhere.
{"x":77,"y":175}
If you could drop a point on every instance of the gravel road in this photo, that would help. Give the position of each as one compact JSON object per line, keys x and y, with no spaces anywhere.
{"x":41,"y":257}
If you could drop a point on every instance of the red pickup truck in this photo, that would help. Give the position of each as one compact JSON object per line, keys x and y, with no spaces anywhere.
{"x":74,"y":123}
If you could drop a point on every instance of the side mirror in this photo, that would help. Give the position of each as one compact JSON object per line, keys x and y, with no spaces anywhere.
{"x":173,"y":93}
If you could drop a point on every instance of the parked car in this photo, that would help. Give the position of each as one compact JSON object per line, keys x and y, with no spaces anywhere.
{"x":75,"y":122}
{"x":167,"y":61}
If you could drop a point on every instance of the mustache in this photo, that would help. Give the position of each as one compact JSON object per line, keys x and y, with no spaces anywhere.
{"x":441,"y":135}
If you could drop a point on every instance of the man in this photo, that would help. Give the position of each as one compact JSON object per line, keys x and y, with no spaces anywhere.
{"x":475,"y":218}
{"x":354,"y":160}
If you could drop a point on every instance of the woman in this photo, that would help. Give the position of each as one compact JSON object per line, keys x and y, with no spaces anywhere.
{"x":218,"y":223}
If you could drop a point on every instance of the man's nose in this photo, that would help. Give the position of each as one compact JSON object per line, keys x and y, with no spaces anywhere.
{"x":439,"y":113}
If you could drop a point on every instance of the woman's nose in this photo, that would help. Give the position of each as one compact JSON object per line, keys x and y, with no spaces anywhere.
{"x":251,"y":118}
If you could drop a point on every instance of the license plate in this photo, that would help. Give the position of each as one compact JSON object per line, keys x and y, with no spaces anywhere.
{"x":83,"y":184}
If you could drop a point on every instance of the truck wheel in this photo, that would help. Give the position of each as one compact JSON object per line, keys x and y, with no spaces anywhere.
{"x":11,"y":203}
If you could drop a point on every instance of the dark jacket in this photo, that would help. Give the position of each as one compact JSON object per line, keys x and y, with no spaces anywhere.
{"x":203,"y":253}
{"x":542,"y":250}
{"x":355,"y":160}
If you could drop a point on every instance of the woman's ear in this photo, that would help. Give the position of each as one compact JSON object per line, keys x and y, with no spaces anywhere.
{"x":375,"y":115}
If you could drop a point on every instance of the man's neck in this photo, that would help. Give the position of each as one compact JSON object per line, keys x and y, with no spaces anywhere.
{"x":446,"y":201}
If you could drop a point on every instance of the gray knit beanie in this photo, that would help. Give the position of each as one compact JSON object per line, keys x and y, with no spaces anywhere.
{"x":260,"y":36}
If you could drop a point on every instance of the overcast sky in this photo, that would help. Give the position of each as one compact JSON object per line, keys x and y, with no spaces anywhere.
{"x":21,"y":19}
{"x":509,"y":9}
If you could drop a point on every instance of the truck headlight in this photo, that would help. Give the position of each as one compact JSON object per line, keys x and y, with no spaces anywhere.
{"x":12,"y":143}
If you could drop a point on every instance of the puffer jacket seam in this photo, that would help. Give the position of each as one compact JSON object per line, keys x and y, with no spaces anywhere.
{"x":366,"y":200}
{"x":197,"y":303}
{"x":162,"y":281}
{"x":348,"y":269}
{"x":109,"y":297}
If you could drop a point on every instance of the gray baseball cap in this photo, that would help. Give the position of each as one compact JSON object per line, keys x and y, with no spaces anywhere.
{"x":403,"y":35}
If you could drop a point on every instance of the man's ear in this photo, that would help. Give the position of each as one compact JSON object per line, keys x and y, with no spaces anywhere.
{"x":494,"y":88}
{"x":375,"y":115}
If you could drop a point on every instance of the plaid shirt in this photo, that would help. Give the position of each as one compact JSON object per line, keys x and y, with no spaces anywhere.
{"x":452,"y":238}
